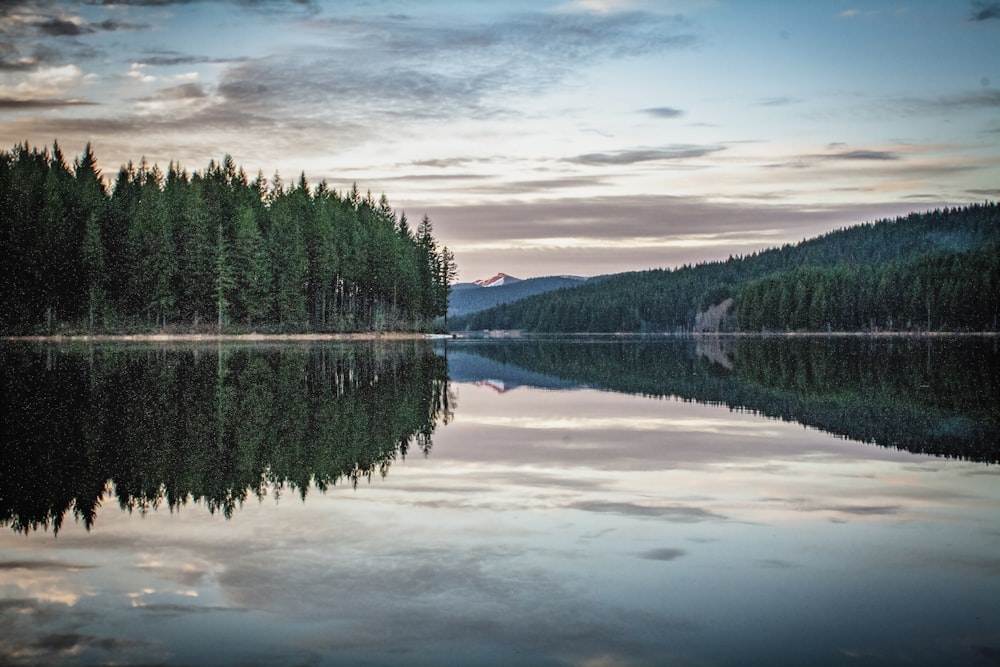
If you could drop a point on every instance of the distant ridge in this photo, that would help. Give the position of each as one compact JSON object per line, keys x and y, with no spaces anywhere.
{"x":466,"y":298}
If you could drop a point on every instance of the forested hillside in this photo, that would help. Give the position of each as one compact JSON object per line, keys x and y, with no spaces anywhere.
{"x":471,"y":299}
{"x":206,"y":251}
{"x":938,"y":270}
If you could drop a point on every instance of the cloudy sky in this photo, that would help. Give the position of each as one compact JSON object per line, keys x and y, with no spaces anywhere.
{"x":545,"y":136}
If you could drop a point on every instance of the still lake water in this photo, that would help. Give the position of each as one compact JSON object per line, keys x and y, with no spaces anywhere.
{"x":750,"y":501}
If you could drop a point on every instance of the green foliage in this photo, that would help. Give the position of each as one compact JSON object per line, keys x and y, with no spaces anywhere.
{"x":932,"y":292}
{"x":175,"y":251}
{"x":927,"y":271}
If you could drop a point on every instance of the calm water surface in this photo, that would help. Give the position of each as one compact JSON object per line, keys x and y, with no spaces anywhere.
{"x":480,"y":503}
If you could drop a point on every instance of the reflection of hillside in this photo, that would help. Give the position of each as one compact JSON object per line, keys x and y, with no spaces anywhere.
{"x":933,"y":396}
{"x":501,"y":376}
{"x":210,"y":424}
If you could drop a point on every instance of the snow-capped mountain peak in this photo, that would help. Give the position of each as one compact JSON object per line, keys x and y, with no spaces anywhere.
{"x":498,"y":280}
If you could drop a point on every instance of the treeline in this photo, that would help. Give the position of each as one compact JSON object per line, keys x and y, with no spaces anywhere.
{"x":210,"y":250}
{"x":941,"y":291}
{"x":938,"y":396}
{"x":926,"y":271}
{"x":215,"y":425}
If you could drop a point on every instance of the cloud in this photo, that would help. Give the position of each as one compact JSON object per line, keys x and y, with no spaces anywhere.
{"x":297,"y":7}
{"x":13,"y":104}
{"x":663,"y":554}
{"x":663,"y":112}
{"x":538,"y":186}
{"x":857,"y":510}
{"x":74,"y":27}
{"x":174,"y":59}
{"x":23,"y":64}
{"x":861,"y":154}
{"x":411,"y":68}
{"x":855,"y":13}
{"x":137,"y":71}
{"x":56,"y":27}
{"x":776,"y":101}
{"x":445,"y":163}
{"x":183,"y":610}
{"x":972,"y":100}
{"x":110,"y":25}
{"x":739,"y":227}
{"x":675,"y":513}
{"x":356,"y":73}
{"x":37,"y":565}
{"x":187,"y":91}
{"x":43,"y":83}
{"x":674,"y":152}
{"x":984,"y":11}
{"x":640,"y":216}
{"x":71,"y":643}
{"x":983,"y":99}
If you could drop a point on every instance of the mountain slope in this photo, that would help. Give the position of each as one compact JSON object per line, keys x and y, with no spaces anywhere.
{"x":498,"y":280}
{"x":470,"y":297}
{"x":936,"y":270}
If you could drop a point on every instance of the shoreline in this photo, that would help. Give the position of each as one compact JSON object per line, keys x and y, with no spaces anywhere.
{"x":200,"y":338}
{"x":469,"y":335}
{"x":517,"y":334}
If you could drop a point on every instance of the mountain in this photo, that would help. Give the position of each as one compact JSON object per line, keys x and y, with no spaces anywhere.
{"x":932,"y":271}
{"x":468,"y":298}
{"x":499,"y":280}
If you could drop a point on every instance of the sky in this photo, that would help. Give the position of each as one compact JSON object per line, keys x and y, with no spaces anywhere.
{"x":541,"y":137}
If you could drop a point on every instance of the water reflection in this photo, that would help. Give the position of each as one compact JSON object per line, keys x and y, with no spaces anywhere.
{"x":218,"y":424}
{"x":552,"y":524}
{"x":932,"y":396}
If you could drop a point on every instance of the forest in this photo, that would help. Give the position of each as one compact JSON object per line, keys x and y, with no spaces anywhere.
{"x":933,"y":271}
{"x":209,"y":251}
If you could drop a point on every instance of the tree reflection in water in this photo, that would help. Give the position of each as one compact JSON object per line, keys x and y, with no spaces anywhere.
{"x":936,"y":395}
{"x":165,"y":426}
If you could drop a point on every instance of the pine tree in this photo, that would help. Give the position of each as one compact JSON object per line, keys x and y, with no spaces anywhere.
{"x":251,"y":272}
{"x":223,"y":277}
{"x":152,"y":254}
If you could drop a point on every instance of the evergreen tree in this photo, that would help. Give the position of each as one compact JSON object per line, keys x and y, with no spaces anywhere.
{"x":224,"y":281}
{"x":151,"y":253}
{"x":175,"y":249}
{"x":251,"y":275}
{"x":288,"y":257}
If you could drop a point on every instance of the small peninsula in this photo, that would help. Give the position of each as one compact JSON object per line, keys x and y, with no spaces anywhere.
{"x":209,"y":252}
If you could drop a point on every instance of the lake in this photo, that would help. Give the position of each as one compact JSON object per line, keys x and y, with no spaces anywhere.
{"x":599,"y":502}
